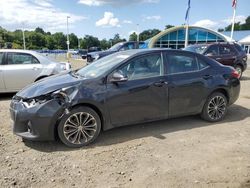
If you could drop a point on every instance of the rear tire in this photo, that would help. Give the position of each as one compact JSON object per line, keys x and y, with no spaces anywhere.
{"x":80,"y":127}
{"x":215,"y":107}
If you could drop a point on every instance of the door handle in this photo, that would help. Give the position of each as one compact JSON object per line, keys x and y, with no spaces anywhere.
{"x":206,"y":77}
{"x":217,"y":59}
{"x":35,"y":68}
{"x":160,"y":83}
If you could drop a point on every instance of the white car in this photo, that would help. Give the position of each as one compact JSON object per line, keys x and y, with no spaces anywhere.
{"x":18,"y":68}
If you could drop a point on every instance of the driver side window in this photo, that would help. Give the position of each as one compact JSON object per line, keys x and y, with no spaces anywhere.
{"x":143,"y":67}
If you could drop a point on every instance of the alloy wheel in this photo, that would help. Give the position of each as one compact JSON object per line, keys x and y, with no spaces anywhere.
{"x":80,"y":127}
{"x":216,"y":107}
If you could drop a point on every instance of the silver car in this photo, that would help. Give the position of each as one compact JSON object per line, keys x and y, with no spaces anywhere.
{"x":18,"y":68}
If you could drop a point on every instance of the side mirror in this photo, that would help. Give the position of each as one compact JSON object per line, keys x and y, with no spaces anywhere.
{"x":118,"y":77}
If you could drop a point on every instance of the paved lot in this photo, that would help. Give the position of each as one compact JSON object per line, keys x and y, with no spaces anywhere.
{"x":183,"y":152}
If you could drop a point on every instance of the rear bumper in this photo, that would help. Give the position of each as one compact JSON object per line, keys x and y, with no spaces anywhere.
{"x":234,"y":91}
{"x":35,"y":123}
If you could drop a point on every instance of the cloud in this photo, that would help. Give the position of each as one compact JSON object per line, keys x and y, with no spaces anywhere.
{"x":220,"y":23}
{"x":108,"y":20}
{"x":207,"y":23}
{"x":127,"y":21}
{"x":114,"y":2}
{"x":92,"y":2}
{"x":156,"y":17}
{"x":239,"y":18}
{"x":30,"y":14}
{"x":43,"y":3}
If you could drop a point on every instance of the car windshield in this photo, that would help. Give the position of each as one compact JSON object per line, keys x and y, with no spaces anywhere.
{"x":102,"y":65}
{"x":115,"y":47}
{"x":198,"y":49}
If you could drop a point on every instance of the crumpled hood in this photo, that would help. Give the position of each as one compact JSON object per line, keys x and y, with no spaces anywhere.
{"x":48,"y":85}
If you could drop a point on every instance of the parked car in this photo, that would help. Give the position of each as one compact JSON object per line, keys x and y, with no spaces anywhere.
{"x":226,"y":53}
{"x":18,"y":68}
{"x":91,"y":49}
{"x":128,"y":87}
{"x":121,"y":46}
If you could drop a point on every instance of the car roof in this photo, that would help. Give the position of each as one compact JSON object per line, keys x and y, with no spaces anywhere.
{"x":135,"y":52}
{"x":209,"y":44}
{"x":18,"y":51}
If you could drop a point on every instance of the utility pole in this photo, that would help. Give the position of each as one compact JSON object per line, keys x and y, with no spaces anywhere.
{"x":138,"y":34}
{"x":68,"y":32}
{"x":24,"y":44}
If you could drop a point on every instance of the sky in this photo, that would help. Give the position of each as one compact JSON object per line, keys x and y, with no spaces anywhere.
{"x":105,"y":18}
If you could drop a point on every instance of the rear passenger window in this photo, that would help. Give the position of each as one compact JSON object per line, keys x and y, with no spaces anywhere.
{"x":226,"y":50}
{"x":181,"y":63}
{"x":202,"y":63}
{"x":21,"y":58}
{"x":212,"y":51}
{"x":1,"y":58}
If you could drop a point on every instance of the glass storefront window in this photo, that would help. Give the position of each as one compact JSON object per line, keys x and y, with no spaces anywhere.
{"x":176,"y":39}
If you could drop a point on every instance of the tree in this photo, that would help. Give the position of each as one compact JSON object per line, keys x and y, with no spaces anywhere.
{"x":168,"y":26}
{"x":90,"y":41}
{"x":60,"y":40}
{"x":73,"y":41}
{"x":35,"y":40}
{"x":104,"y":44}
{"x":133,"y":37}
{"x":50,"y":42}
{"x":220,"y":30}
{"x":117,"y":39}
{"x":147,"y":34}
{"x":39,"y":30}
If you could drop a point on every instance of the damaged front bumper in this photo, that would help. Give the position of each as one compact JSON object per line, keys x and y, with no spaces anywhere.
{"x":37,"y":122}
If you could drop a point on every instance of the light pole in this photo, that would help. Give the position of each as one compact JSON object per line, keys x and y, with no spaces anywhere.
{"x":138,"y":34}
{"x":24,"y":44}
{"x":68,"y":32}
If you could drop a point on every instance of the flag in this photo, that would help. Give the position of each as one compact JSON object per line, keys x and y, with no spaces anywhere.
{"x":234,"y":3}
{"x":187,"y":12}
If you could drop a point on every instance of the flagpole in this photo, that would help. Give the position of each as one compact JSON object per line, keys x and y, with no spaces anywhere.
{"x":233,"y":21}
{"x":187,"y":23}
{"x":186,"y":34}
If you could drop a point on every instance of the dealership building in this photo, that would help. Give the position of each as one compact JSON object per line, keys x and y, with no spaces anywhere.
{"x":175,"y":37}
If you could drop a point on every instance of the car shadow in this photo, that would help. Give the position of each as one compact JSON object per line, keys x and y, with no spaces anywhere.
{"x":6,"y":96}
{"x":244,"y":78}
{"x":158,"y":129}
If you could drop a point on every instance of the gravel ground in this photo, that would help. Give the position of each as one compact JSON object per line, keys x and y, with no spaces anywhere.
{"x":183,"y":152}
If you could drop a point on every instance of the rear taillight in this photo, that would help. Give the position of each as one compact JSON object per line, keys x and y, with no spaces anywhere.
{"x":235,"y":74}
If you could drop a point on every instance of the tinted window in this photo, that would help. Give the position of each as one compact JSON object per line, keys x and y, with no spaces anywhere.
{"x":143,"y":67}
{"x":225,"y":50}
{"x":20,"y":58}
{"x":1,"y":58}
{"x":178,"y":63}
{"x":238,"y":47}
{"x":212,"y":50}
{"x":202,"y":63}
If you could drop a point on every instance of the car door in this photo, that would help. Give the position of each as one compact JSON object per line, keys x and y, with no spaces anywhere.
{"x":2,"y":85}
{"x":21,"y":69}
{"x":227,"y":55}
{"x":187,"y":83}
{"x":144,"y":96}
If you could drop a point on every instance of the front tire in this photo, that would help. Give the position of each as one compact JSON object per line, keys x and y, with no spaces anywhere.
{"x":215,"y":107}
{"x":80,"y":127}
